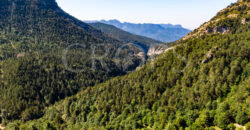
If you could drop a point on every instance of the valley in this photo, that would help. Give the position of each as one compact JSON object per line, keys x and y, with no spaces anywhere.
{"x":59,"y":73}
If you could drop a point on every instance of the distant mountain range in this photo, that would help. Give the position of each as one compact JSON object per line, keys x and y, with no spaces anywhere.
{"x":160,"y":32}
{"x":126,"y":37}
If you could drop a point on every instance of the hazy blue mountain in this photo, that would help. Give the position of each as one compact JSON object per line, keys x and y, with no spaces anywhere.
{"x":161,"y":32}
{"x":126,"y":37}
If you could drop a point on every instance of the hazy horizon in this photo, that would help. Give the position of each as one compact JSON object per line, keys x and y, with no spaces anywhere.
{"x":190,"y":14}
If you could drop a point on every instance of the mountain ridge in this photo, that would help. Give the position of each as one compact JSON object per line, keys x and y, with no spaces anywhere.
{"x":29,"y":9}
{"x":161,"y":32}
{"x":47,"y":55}
{"x":115,"y":21}
{"x":126,"y":37}
{"x":175,"y":91}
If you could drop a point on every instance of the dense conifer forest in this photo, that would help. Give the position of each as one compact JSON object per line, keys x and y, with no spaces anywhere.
{"x":33,"y":38}
{"x":203,"y":82}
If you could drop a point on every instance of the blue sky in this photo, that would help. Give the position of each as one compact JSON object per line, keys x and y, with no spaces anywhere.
{"x":189,"y":13}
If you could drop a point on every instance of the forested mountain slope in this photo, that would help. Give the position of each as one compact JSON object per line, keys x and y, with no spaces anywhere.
{"x":127,"y":37}
{"x":202,"y":83}
{"x":47,"y":55}
{"x":226,"y":20}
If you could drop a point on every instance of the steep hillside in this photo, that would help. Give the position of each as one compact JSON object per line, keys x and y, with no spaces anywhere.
{"x":126,"y":37}
{"x":39,"y":18}
{"x":47,"y":55}
{"x":160,"y":32}
{"x":201,"y":83}
{"x":226,"y":20}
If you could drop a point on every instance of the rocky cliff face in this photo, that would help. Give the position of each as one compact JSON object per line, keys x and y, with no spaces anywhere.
{"x":157,"y":50}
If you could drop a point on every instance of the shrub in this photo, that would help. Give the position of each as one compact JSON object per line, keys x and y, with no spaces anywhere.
{"x":31,"y":113}
{"x":171,"y":127}
{"x":241,"y":117}
{"x":231,"y":127}
{"x":247,"y":126}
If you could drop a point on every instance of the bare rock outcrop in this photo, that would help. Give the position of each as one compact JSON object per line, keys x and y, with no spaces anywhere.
{"x":210,"y":55}
{"x":220,"y":30}
{"x":19,"y":55}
